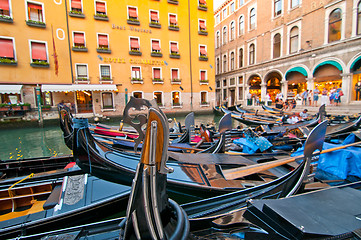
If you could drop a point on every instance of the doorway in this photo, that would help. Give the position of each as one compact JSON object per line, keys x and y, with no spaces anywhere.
{"x":84,"y":101}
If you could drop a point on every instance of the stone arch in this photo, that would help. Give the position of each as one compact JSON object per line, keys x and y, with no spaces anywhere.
{"x":273,"y":81}
{"x":354,"y":67}
{"x":327,"y":73}
{"x":296,"y":78}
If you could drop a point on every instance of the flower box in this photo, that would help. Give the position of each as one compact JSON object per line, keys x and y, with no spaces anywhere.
{"x":35,"y":24}
{"x":173,"y":2}
{"x":133,"y":21}
{"x":173,"y":27}
{"x":135,"y":53}
{"x":174,"y":55}
{"x":203,"y":58}
{"x":156,"y":54}
{"x":103,"y":50}
{"x":76,"y":14}
{"x":202,"y":32}
{"x":79,"y":49}
{"x":203,"y":7}
{"x":5,"y":18}
{"x":155,"y":25}
{"x":40,"y":64}
{"x":102,"y":17}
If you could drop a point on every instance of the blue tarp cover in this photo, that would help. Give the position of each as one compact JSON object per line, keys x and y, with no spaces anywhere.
{"x":341,"y":163}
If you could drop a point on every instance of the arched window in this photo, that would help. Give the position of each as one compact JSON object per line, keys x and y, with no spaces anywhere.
{"x":359,"y":18}
{"x":240,"y":58}
{"x":294,"y":40}
{"x":251,"y":54}
{"x":224,"y":63}
{"x":217,"y":66}
{"x":277,"y":45}
{"x":224,"y":40}
{"x":241,"y":25}
{"x":217,"y":39}
{"x":232,"y":31}
{"x":252,"y":19}
{"x":334,"y":25}
{"x":232,"y":61}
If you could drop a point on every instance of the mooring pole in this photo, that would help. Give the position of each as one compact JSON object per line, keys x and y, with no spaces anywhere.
{"x":38,"y":100}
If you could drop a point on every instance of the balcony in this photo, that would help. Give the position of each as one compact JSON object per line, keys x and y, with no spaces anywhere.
{"x":135,"y":52}
{"x":133,"y":21}
{"x":103,"y":50}
{"x":136,"y":80}
{"x":77,"y":14}
{"x":157,"y":81}
{"x":102,"y":17}
{"x":38,"y":24}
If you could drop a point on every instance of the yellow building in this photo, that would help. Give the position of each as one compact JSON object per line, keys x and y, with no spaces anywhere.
{"x":94,"y":55}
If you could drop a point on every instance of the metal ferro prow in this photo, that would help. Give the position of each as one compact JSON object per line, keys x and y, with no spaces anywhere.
{"x":149,"y":199}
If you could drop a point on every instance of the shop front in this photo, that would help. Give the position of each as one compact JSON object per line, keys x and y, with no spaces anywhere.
{"x":254,"y":84}
{"x":356,"y":80}
{"x":273,"y":86}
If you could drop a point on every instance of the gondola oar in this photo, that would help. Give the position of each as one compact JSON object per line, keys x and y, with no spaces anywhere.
{"x":235,"y":173}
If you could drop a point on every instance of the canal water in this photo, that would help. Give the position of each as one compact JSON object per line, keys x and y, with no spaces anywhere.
{"x":28,"y":142}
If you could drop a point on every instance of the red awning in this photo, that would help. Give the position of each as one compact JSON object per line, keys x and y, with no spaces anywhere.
{"x":203,"y":75}
{"x":202,"y":1}
{"x":134,"y":43}
{"x":76,"y":4}
{"x":34,"y":6}
{"x":155,"y":45}
{"x":156,"y":72}
{"x":173,"y":47}
{"x":136,"y":69}
{"x":172,"y":19}
{"x":6,"y":48}
{"x":103,"y":40}
{"x":132,"y":12}
{"x":203,"y":50}
{"x":174,"y":74}
{"x":38,"y":51}
{"x":4,"y":5}
{"x":79,"y":38}
{"x":100,"y":6}
{"x":202,"y":25}
{"x":154,"y":16}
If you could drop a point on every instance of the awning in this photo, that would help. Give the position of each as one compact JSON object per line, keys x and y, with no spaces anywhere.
{"x":77,"y":87}
{"x":331,"y":62}
{"x":297,"y":69}
{"x":56,"y":88}
{"x":6,"y":89}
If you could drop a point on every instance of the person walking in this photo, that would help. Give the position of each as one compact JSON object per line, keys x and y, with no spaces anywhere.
{"x":315,"y":97}
{"x":304,"y":97}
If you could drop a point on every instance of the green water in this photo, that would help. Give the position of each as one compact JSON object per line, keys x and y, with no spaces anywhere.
{"x":28,"y":142}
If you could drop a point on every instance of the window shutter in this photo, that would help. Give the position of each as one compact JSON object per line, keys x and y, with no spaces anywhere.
{"x":202,"y":1}
{"x":136,"y":69}
{"x":100,"y":6}
{"x":103,"y":40}
{"x":154,"y":16}
{"x":173,"y":47}
{"x":4,"y":5}
{"x":156,"y":72}
{"x":173,"y":19}
{"x":76,"y":4}
{"x":38,"y":51}
{"x":174,"y":74}
{"x":202,"y":24}
{"x":79,"y":38}
{"x":34,"y":6}
{"x":134,"y":43}
{"x":203,"y":50}
{"x":82,"y":70}
{"x":6,"y":48}
{"x":155,"y":45}
{"x":203,"y":75}
{"x":132,"y":12}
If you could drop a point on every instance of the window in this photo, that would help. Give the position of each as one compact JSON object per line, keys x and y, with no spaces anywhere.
{"x":5,"y":8}
{"x":241,"y":2}
{"x":134,"y":44}
{"x":241,"y":25}
{"x":203,"y":76}
{"x":232,"y":61}
{"x":38,"y":52}
{"x":277,"y":45}
{"x":174,"y":48}
{"x":232,"y":31}
{"x":100,"y":8}
{"x":173,"y":20}
{"x":138,"y":94}
{"x":76,"y":6}
{"x":176,"y":99}
{"x":202,"y":25}
{"x":103,"y":42}
{"x":334,"y":25}
{"x":132,"y":14}
{"x":218,"y":19}
{"x":204,"y":98}
{"x":224,"y":13}
{"x":295,"y":3}
{"x":277,"y":7}
{"x":224,"y":40}
{"x":79,"y":39}
{"x":294,"y":40}
{"x":158,"y":96}
{"x":105,"y":73}
{"x":252,"y":19}
{"x":240,"y":57}
{"x":136,"y":74}
{"x":175,"y":75}
{"x":202,"y":51}
{"x":81,"y":72}
{"x":35,"y":12}
{"x":224,"y":63}
{"x":156,"y":46}
{"x":232,"y":7}
{"x":107,"y":100}
{"x":359,"y":19}
{"x":157,"y":74}
{"x":217,"y":39}
{"x":202,"y":3}
{"x":240,"y":93}
{"x":217,"y":66}
{"x":154,"y":19}
{"x":251,"y":54}
{"x":7,"y":50}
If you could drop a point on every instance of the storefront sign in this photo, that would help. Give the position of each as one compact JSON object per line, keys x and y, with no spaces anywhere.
{"x":131,"y":28}
{"x":134,"y":61}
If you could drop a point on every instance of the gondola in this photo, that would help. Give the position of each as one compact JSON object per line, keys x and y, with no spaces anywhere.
{"x":201,"y":214}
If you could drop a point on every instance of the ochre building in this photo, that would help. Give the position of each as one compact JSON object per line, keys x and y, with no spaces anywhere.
{"x":266,"y":47}
{"x":94,"y":55}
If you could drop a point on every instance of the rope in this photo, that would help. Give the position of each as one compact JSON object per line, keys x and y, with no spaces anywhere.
{"x":79,"y":124}
{"x":9,"y":189}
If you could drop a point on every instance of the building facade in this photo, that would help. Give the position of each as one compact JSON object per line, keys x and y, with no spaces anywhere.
{"x":287,"y":46}
{"x":94,"y":55}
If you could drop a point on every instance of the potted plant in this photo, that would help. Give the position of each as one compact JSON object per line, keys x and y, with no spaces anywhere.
{"x":101,"y":16}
